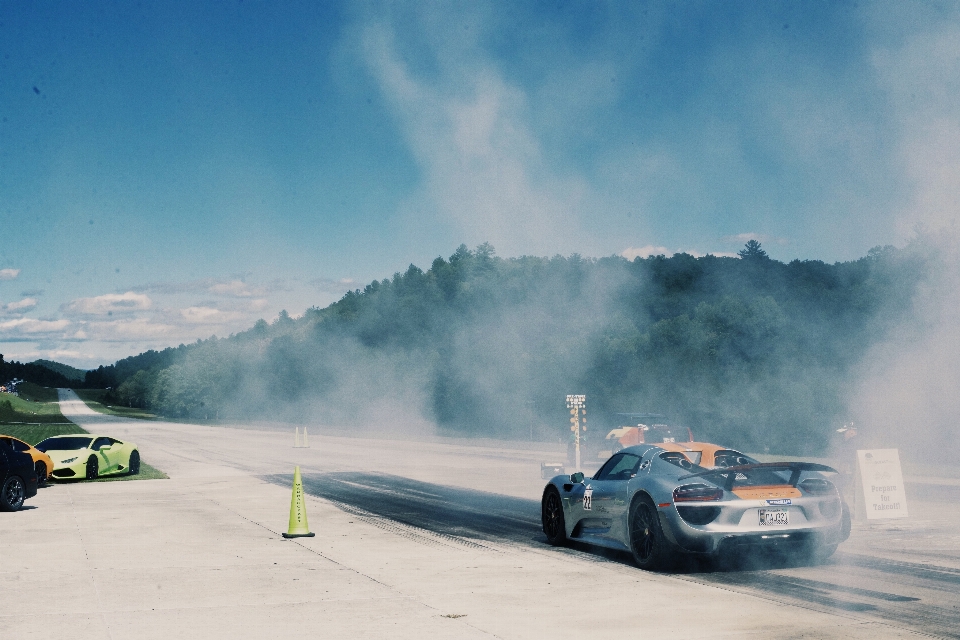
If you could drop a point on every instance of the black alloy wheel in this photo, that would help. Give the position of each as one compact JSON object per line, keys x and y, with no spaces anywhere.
{"x":554,"y":525}
{"x":41,"y":474}
{"x":650,"y":548}
{"x":12,"y":494}
{"x":93,"y":468}
{"x":134,"y":463}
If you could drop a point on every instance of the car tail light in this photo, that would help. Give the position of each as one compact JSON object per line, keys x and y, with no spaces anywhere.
{"x":818,"y":487}
{"x":697,"y":493}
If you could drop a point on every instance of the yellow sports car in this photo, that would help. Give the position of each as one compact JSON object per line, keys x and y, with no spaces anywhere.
{"x":41,"y":461}
{"x":90,"y":456}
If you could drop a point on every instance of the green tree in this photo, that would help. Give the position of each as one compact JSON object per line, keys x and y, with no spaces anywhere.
{"x":752,"y":251}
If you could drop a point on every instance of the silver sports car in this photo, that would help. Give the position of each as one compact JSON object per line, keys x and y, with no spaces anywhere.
{"x":657,"y":505}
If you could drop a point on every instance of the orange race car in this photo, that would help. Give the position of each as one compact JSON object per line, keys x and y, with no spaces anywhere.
{"x":679,"y":439}
{"x":41,"y":461}
{"x":709,"y":456}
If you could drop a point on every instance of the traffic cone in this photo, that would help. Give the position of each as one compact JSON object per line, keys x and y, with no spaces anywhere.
{"x":298,"y":510}
{"x":306,"y":444}
{"x":296,"y":437}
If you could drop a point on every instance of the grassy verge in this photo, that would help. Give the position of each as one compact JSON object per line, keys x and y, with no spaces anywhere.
{"x":26,"y":410}
{"x":34,"y":433}
{"x":94,"y":398}
{"x":36,"y":393}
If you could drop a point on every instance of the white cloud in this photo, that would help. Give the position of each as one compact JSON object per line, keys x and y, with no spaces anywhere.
{"x":644,"y":252}
{"x":21,"y":326}
{"x":108,"y":304}
{"x":9,"y":274}
{"x":329,"y":285}
{"x":19,"y":307}
{"x":208,"y":315}
{"x":236,"y":288}
{"x":128,"y":330}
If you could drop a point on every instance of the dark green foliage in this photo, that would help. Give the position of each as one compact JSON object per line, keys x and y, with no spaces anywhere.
{"x":70,"y":373}
{"x":750,"y":352}
{"x":32,"y":372}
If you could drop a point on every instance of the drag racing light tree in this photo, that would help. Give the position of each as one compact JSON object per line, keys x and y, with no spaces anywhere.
{"x":576,"y":404}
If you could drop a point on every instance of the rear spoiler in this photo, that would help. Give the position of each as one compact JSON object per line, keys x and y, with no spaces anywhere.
{"x":729,"y":474}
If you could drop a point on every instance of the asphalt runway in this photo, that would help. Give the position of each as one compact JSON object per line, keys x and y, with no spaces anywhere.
{"x":913,"y":595}
{"x":418,"y":535}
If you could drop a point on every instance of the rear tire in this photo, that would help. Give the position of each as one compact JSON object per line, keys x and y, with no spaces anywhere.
{"x":551,"y":515}
{"x":41,"y":474}
{"x":651,"y":549}
{"x":93,"y":468}
{"x":12,"y":494}
{"x":134,"y":463}
{"x":845,"y":521}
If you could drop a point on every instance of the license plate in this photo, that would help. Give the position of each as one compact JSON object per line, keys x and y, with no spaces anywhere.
{"x":774,"y":517}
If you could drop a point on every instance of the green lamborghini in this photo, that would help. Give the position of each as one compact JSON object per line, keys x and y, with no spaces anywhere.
{"x":90,"y":456}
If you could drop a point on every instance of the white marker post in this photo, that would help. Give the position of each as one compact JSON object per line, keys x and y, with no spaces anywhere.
{"x":884,"y":495}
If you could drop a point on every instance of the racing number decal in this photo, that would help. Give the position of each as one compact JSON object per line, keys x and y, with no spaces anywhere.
{"x":587,"y":499}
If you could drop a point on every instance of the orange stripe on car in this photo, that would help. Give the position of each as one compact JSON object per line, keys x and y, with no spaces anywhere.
{"x":765,"y":492}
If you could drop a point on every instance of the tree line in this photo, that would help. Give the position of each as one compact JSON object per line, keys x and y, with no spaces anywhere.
{"x":748,"y":351}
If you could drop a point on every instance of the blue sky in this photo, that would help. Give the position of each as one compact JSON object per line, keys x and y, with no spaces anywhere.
{"x":170,"y":171}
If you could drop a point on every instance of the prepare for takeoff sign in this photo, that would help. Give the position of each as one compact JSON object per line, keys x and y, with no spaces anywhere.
{"x":882,"y":480}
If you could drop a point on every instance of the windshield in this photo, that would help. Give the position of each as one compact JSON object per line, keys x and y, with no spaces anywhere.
{"x":68,"y":443}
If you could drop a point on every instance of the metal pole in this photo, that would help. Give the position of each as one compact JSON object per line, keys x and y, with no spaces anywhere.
{"x":577,"y":427}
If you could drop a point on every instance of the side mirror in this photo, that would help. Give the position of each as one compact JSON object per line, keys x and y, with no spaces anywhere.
{"x":576,"y":478}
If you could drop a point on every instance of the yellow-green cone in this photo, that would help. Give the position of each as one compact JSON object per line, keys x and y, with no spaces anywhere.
{"x":298,"y":510}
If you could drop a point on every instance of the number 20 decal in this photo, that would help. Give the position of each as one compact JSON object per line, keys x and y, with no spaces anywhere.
{"x":587,"y":499}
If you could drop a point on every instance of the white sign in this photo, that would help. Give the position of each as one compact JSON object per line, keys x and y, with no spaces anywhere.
{"x":882,"y":481}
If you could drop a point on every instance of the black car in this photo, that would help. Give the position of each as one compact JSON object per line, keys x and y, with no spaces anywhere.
{"x":18,"y":478}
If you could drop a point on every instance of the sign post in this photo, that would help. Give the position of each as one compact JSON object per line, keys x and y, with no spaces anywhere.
{"x":882,"y":482}
{"x":576,"y":404}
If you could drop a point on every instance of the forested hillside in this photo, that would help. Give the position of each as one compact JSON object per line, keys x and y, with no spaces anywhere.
{"x":750,"y":351}
{"x":35,"y":372}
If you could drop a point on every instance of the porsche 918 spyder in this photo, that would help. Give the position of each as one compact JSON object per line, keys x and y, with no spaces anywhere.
{"x":90,"y":456}
{"x":658,"y":505}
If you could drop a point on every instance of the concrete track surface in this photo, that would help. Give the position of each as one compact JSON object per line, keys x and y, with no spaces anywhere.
{"x":413,"y":539}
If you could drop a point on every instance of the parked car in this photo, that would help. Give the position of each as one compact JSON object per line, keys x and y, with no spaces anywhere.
{"x":18,"y":478}
{"x":90,"y":456}
{"x":41,"y":461}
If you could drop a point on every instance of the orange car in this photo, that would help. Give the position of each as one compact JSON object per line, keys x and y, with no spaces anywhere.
{"x":707,"y":455}
{"x":42,"y":462}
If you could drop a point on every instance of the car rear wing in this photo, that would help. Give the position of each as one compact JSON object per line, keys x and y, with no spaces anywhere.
{"x":727,"y":476}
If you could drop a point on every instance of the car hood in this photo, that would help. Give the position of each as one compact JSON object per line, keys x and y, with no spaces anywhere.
{"x":59,"y":455}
